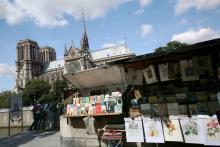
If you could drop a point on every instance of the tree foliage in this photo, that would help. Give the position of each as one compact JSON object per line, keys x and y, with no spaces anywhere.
{"x":43,"y":91}
{"x":34,"y":90}
{"x":5,"y":97}
{"x":170,"y":46}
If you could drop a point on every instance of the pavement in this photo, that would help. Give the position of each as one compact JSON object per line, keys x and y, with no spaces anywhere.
{"x":32,"y":139}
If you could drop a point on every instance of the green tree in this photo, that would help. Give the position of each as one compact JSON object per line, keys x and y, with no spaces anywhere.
{"x":170,"y":46}
{"x":58,"y":89}
{"x":34,"y":90}
{"x":5,"y":98}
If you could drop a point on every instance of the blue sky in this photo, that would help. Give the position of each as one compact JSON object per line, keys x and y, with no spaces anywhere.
{"x":144,"y":24}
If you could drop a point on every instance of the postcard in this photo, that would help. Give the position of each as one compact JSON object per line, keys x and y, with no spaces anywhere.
{"x":153,"y":130}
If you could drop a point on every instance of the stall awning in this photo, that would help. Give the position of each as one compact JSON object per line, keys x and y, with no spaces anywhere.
{"x":96,"y":77}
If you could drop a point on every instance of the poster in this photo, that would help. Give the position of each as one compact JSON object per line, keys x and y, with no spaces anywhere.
{"x":191,"y":130}
{"x":16,"y":108}
{"x":134,"y":130}
{"x":153,"y":130}
{"x":172,"y":131}
{"x":202,"y":64}
{"x":210,"y":133}
{"x":163,"y":70}
{"x":174,"y":70}
{"x":135,"y":77}
{"x":188,"y":72}
{"x":149,"y":74}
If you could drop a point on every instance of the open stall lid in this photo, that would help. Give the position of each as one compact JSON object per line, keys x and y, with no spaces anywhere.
{"x":96,"y":77}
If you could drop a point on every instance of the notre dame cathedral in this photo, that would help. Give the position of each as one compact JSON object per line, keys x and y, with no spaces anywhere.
{"x":34,"y":61}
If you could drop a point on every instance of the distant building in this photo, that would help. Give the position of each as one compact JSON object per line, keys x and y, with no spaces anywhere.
{"x":33,"y":61}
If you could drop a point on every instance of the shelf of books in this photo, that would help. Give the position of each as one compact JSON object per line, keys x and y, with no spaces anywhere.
{"x":96,"y":105}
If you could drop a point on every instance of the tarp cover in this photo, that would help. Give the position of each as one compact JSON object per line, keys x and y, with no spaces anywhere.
{"x":96,"y":77}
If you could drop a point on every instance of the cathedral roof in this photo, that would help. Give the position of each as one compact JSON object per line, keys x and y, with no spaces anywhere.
{"x":58,"y":64}
{"x":115,"y":51}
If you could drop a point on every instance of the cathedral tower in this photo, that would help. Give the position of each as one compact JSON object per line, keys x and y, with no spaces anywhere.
{"x":28,"y":63}
{"x":47,"y":54}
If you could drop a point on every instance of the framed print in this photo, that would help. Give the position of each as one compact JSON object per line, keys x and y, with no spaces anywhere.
{"x":188,"y":72}
{"x":163,"y":71}
{"x":135,"y":77}
{"x":174,"y":70}
{"x":202,"y":64}
{"x":153,"y":130}
{"x":149,"y":75}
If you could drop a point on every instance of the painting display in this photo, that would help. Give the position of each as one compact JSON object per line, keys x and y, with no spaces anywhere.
{"x":190,"y":129}
{"x":163,"y":70}
{"x":149,"y":74}
{"x":134,"y":130}
{"x":135,"y":77}
{"x":210,"y":130}
{"x":188,"y":72}
{"x":172,"y":131}
{"x":153,"y":130}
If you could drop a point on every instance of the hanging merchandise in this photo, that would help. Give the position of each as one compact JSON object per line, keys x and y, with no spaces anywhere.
{"x":188,"y":72}
{"x":135,"y":77}
{"x":149,"y":74}
{"x":172,"y":131}
{"x":191,"y":130}
{"x":174,"y":70}
{"x":210,"y":130}
{"x":134,"y":130}
{"x":202,"y":65}
{"x":163,"y":70}
{"x":153,"y":130}
{"x":193,"y":109}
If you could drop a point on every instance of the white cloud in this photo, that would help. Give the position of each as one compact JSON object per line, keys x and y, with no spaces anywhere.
{"x":146,"y":29}
{"x":142,"y":3}
{"x":194,"y":36}
{"x":111,"y":44}
{"x":184,"y":5}
{"x":7,"y":70}
{"x":52,"y":12}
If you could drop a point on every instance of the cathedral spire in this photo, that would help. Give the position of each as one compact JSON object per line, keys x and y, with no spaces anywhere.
{"x":84,"y":40}
{"x":65,"y":52}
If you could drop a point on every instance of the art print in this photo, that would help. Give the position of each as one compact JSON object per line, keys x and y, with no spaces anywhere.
{"x":149,"y":75}
{"x":211,"y":130}
{"x":172,"y":131}
{"x":187,"y":70}
{"x":191,"y":131}
{"x":174,"y":70}
{"x":135,"y":77}
{"x":134,"y":130}
{"x":163,"y":70}
{"x":153,"y":130}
